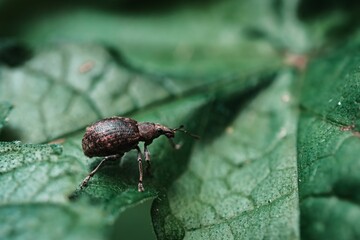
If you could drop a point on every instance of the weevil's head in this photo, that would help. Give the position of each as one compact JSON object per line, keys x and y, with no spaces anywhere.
{"x":149,"y":131}
{"x":162,"y":130}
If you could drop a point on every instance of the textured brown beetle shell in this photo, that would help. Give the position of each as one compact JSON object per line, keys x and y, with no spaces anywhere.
{"x":110,"y":136}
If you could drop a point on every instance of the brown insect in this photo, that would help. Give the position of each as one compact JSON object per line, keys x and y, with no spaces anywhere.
{"x":112,"y":137}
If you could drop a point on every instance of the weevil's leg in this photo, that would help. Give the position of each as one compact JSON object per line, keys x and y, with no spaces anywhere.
{"x":98,"y":167}
{"x":139,"y":158}
{"x":147,"y":159}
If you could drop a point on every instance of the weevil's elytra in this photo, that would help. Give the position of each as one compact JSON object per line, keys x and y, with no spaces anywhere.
{"x":108,"y":136}
{"x":112,"y":137}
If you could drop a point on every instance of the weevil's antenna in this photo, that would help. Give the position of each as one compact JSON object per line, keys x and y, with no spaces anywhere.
{"x":181,"y":129}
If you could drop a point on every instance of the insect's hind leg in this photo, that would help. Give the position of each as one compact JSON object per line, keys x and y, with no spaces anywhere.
{"x":98,"y":167}
{"x":139,"y":158}
{"x":147,"y":159}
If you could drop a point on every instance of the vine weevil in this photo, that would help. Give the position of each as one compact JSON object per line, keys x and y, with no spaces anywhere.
{"x":112,"y":137}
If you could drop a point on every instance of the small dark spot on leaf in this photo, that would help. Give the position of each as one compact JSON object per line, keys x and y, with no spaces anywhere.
{"x":9,"y":133}
{"x":12,"y":53}
{"x":255,"y":33}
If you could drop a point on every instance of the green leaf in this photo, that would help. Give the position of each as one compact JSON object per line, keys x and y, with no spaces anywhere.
{"x":328,"y":146}
{"x":87,"y":83}
{"x":219,"y":68}
{"x":115,"y":186}
{"x":196,"y":39}
{"x":34,"y":200}
{"x":50,"y":221}
{"x":47,"y":175}
{"x":41,"y":164}
{"x":5,"y":108}
{"x":338,"y":100}
{"x":63,"y":88}
{"x":91,"y":82}
{"x":331,"y":23}
{"x":241,"y":178}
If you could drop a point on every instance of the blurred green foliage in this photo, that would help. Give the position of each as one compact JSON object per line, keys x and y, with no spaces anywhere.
{"x":272,"y":88}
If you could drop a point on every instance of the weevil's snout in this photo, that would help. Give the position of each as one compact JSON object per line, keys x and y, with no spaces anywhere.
{"x":162,"y":130}
{"x":170,"y":134}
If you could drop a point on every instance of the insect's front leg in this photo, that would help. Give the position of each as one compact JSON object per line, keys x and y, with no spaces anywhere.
{"x":139,"y":158}
{"x":98,"y":167}
{"x":147,"y":159}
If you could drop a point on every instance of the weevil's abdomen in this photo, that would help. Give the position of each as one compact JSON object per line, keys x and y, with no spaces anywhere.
{"x":110,"y":136}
